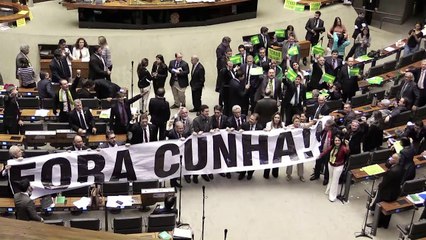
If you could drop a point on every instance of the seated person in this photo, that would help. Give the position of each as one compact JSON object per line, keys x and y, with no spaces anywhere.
{"x":384,"y":107}
{"x":417,"y":133}
{"x":81,"y":120}
{"x":111,"y":141}
{"x":77,"y":144}
{"x":348,"y":113}
{"x":400,"y":106}
{"x":27,"y":76}
{"x":335,"y":92}
{"x":169,"y":206}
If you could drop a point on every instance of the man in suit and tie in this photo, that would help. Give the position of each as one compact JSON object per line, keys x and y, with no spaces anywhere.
{"x":420,"y":79}
{"x":81,"y":120}
{"x":410,"y":91}
{"x":242,"y":52}
{"x":197,"y":82}
{"x":97,"y":66}
{"x":142,"y":132}
{"x":237,"y":119}
{"x":348,"y":81}
{"x":253,"y":82}
{"x":333,"y":63}
{"x":44,"y":86}
{"x":271,"y":83}
{"x":372,"y":5}
{"x":159,"y":109}
{"x":179,"y":71}
{"x":321,"y":109}
{"x":12,"y":114}
{"x":266,"y":107}
{"x":121,"y":114}
{"x":264,"y":61}
{"x":218,"y":120}
{"x":238,"y":93}
{"x":264,"y":40}
{"x":59,"y":67}
{"x":318,"y":69}
{"x":77,"y":144}
{"x":250,"y":125}
{"x":64,"y":100}
{"x":314,"y":27}
{"x":294,"y":99}
{"x":111,"y":141}
{"x":24,"y":206}
{"x":178,"y":132}
{"x":287,"y":44}
{"x":182,"y":116}
{"x":221,"y":51}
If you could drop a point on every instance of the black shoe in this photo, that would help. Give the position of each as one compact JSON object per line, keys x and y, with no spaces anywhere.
{"x":176,"y":185}
{"x":325,"y":182}
{"x":275,"y":175}
{"x":228,"y":175}
{"x":222,"y":174}
{"x":195,"y":180}
{"x":241,"y":176}
{"x":369,"y":225}
{"x":205,"y":177}
{"x":313,"y":178}
{"x":249,"y":176}
{"x":193,"y":110}
{"x":187,"y":179}
{"x":211,"y":176}
{"x":174,"y":106}
{"x":266,"y":176}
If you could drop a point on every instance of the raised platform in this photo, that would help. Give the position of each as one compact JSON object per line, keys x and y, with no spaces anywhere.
{"x":16,"y":8}
{"x":158,"y":14}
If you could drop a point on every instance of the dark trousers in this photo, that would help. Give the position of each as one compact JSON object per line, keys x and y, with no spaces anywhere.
{"x":274,"y":172}
{"x":11,"y":127}
{"x":368,"y":17}
{"x":249,"y":173}
{"x":422,"y":97}
{"x":321,"y":164}
{"x":347,"y":96}
{"x":196,"y":98}
{"x":63,"y":116}
{"x":160,"y":130}
{"x":352,"y":51}
{"x":158,"y":83}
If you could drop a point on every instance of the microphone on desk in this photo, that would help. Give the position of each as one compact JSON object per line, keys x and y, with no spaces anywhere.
{"x":225,"y":233}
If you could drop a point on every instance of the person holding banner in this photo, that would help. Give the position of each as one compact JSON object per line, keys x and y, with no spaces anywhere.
{"x":275,"y":123}
{"x":24,"y":205}
{"x":185,"y":119}
{"x":314,"y":27}
{"x":266,"y":107}
{"x":111,"y":141}
{"x":348,"y":80}
{"x":252,"y":82}
{"x":294,"y":99}
{"x":142,"y":132}
{"x":291,"y":51}
{"x":77,"y":144}
{"x":237,"y":119}
{"x":251,"y":125}
{"x":121,"y":114}
{"x":178,"y":132}
{"x":337,"y":156}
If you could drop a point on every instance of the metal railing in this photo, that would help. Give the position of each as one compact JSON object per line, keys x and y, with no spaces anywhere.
{"x":399,"y":17}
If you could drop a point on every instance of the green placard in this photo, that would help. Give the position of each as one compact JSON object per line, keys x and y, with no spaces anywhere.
{"x":328,"y":78}
{"x":318,"y":50}
{"x":299,"y":8}
{"x":293,"y":51}
{"x":309,"y":95}
{"x":236,"y":59}
{"x":354,"y":72}
{"x":289,"y":4}
{"x":375,"y":80}
{"x":291,"y":74}
{"x":60,"y":199}
{"x":255,"y":40}
{"x":373,"y":170}
{"x":256,"y":59}
{"x":275,"y":55}
{"x":315,"y":6}
{"x":280,"y":33}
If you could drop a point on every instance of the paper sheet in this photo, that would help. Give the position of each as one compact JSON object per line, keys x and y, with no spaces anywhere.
{"x":256,"y":71}
{"x":83,"y":202}
{"x":398,"y":147}
{"x":41,"y":112}
{"x":120,"y":201}
{"x":182,"y":233}
{"x":389,"y":49}
{"x":105,"y":114}
{"x":417,"y":198}
{"x":373,"y":169}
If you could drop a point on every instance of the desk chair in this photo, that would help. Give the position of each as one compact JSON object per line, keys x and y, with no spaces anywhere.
{"x":115,"y":188}
{"x":334,"y":105}
{"x":59,"y":222}
{"x":419,"y":55}
{"x":86,"y":223}
{"x":381,"y":156}
{"x":29,"y":102}
{"x":413,"y":186}
{"x":402,"y":119}
{"x":394,"y":90}
{"x":92,"y":103}
{"x":100,"y":127}
{"x":137,"y":186}
{"x":32,"y":126}
{"x":417,"y":230}
{"x":127,"y":225}
{"x":358,"y":160}
{"x":78,"y":192}
{"x":375,"y":71}
{"x":35,"y":153}
{"x":380,"y":95}
{"x":161,"y":222}
{"x":420,"y":113}
{"x":47,"y":103}
{"x":360,"y":100}
{"x":390,"y":66}
{"x":105,"y":104}
{"x":405,"y":61}
{"x":53,"y":126}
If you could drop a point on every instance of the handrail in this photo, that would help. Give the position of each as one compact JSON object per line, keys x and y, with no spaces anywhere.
{"x":380,"y":12}
{"x":389,"y":18}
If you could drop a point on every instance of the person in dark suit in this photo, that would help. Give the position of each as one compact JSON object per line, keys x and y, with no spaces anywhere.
{"x":410,"y":91}
{"x":159,"y":109}
{"x":242,"y":52}
{"x":178,"y":132}
{"x":354,"y":134}
{"x":159,"y":72}
{"x":198,"y":77}
{"x":294,"y":99}
{"x":389,"y":189}
{"x":59,"y":67}
{"x":264,"y":40}
{"x":287,"y":44}
{"x":44,"y":86}
{"x":121,"y":114}
{"x":237,"y":119}
{"x":417,"y":134}
{"x":333,"y":63}
{"x":266,"y":107}
{"x":77,"y":144}
{"x":348,"y":114}
{"x":321,"y":109}
{"x":373,"y":138}
{"x":234,"y":91}
{"x":81,"y":120}
{"x":264,"y":61}
{"x":97,"y":66}
{"x":318,"y":69}
{"x":12,"y":114}
{"x":250,"y":125}
{"x":179,"y":71}
{"x":86,"y":88}
{"x":142,"y":132}
{"x":64,"y":100}
{"x":252,"y":83}
{"x":348,"y":82}
{"x":24,"y":50}
{"x":407,"y":160}
{"x":221,"y":51}
{"x":24,"y":206}
{"x":218,"y":120}
{"x":271,"y":83}
{"x":400,"y":107}
{"x":372,"y":5}
{"x":314,"y":27}
{"x":420,"y":79}
{"x":111,"y":141}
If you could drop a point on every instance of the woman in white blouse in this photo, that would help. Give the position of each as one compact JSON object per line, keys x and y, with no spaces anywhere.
{"x":81,"y":50}
{"x":275,"y":123}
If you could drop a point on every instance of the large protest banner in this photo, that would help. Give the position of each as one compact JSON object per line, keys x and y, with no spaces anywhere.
{"x":217,"y":152}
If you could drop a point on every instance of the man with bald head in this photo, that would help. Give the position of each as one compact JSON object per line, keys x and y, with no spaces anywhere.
{"x":348,"y":81}
{"x":410,"y":91}
{"x":321,"y":109}
{"x":179,"y":71}
{"x":77,"y":144}
{"x":420,"y":79}
{"x":23,"y":53}
{"x":198,"y":77}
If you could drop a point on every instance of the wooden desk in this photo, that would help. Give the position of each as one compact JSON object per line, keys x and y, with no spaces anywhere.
{"x":145,"y":236}
{"x":9,"y":139}
{"x":137,"y":14}
{"x":384,"y":53}
{"x":75,"y":64}
{"x":13,"y":229}
{"x":419,"y":161}
{"x":137,"y":202}
{"x":25,"y":92}
{"x":30,"y":114}
{"x":367,"y":108}
{"x":12,"y":18}
{"x":391,"y":132}
{"x":100,"y":138}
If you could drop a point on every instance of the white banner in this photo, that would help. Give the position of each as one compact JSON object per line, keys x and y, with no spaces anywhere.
{"x":217,"y":152}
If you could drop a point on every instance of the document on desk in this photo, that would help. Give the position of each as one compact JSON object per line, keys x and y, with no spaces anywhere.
{"x":373,"y":169}
{"x":41,"y":112}
{"x":389,"y":49}
{"x":120,"y":201}
{"x":417,"y":198}
{"x":83,"y":203}
{"x":105,"y":114}
{"x":182,"y":233}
